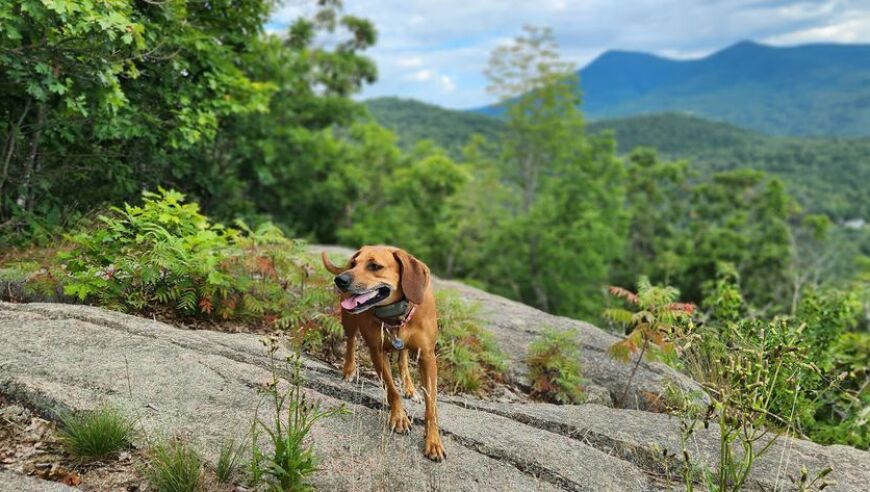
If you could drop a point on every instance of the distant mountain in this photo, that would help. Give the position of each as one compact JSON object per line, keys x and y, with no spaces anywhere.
{"x":816,"y":89}
{"x":826,"y":174}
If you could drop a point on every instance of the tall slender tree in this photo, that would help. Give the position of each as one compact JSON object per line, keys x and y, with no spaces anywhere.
{"x":568,"y":224}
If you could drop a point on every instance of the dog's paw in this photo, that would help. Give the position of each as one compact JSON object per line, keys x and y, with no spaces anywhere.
{"x":349,"y":376}
{"x":413,"y":395}
{"x":434,"y":449}
{"x":349,"y":373}
{"x":400,"y":423}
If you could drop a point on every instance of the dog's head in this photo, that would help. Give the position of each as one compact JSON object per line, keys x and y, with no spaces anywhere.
{"x":377,"y":276}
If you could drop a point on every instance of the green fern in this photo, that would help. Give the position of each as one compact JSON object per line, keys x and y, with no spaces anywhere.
{"x":469,"y":358}
{"x":164,"y":256}
{"x":554,"y":367}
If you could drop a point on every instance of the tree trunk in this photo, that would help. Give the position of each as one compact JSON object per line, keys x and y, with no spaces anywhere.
{"x":634,"y":371}
{"x":530,"y":182}
{"x":11,"y":144}
{"x":32,"y":162}
{"x":540,"y":291}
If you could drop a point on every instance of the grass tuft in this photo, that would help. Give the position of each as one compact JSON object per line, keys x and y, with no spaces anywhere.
{"x":95,"y":435}
{"x":174,"y":466}
{"x":227,"y":463}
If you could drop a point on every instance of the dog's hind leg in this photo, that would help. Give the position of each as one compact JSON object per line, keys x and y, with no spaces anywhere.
{"x":434,"y":449}
{"x":407,"y":381}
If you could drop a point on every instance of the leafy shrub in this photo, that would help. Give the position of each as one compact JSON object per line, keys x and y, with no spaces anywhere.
{"x":95,"y":435}
{"x":287,"y":465}
{"x":166,"y":257}
{"x":17,"y":270}
{"x":469,"y":358}
{"x":751,"y":370}
{"x":836,"y":406}
{"x":842,"y":414}
{"x":833,"y":405}
{"x":174,"y":467}
{"x":554,"y":365}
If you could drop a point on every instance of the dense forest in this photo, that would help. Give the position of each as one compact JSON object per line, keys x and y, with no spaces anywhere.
{"x":413,"y":121}
{"x":100,"y":101}
{"x":826,"y":175}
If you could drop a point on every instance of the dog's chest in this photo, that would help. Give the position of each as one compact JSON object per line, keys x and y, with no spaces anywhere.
{"x":390,"y":338}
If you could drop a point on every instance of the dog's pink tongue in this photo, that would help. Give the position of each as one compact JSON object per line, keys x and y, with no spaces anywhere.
{"x":354,"y":301}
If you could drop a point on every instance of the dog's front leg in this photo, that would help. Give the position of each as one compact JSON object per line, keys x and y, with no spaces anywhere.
{"x":429,"y":373}
{"x":350,"y":352}
{"x":399,"y":421}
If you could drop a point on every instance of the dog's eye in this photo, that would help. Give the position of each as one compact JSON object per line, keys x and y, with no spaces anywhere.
{"x":373,"y":267}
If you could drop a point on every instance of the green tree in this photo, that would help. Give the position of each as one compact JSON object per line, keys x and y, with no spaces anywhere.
{"x":293,"y":163}
{"x":411,"y":203}
{"x":682,"y":229}
{"x":657,"y":240}
{"x":476,"y":214}
{"x":112,"y":97}
{"x":103,"y":95}
{"x":741,"y":217}
{"x":567,"y":225}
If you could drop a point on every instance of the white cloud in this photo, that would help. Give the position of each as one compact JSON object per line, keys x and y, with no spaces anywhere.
{"x":420,"y":75}
{"x":684,"y":54}
{"x":855,"y":30}
{"x":447,"y":83}
{"x":806,"y":10}
{"x":410,"y":61}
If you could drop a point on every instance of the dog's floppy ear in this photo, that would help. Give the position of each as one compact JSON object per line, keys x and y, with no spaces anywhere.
{"x":332,"y":267}
{"x":415,"y":276}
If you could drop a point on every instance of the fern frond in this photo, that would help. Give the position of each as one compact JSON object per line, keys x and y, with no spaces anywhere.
{"x":617,"y":315}
{"x":623,"y":293}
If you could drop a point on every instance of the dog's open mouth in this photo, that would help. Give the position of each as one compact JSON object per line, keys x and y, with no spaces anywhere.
{"x":358,"y":303}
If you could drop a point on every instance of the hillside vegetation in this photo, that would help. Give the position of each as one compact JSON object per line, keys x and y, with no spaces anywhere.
{"x":414,"y":120}
{"x":826,"y":175}
{"x":816,"y":89}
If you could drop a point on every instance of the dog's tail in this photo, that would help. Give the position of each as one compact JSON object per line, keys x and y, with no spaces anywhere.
{"x":335,"y":270}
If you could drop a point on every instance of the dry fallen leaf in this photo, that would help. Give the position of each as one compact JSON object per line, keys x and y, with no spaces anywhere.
{"x":72,"y":479}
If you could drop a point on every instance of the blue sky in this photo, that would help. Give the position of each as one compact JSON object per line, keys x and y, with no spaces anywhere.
{"x":436,"y":50}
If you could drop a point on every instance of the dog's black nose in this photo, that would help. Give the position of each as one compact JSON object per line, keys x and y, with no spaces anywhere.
{"x":343,"y":281}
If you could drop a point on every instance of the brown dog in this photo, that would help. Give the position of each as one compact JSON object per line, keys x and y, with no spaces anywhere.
{"x":387,"y":296}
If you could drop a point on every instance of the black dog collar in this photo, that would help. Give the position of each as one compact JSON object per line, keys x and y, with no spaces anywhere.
{"x":394,"y":313}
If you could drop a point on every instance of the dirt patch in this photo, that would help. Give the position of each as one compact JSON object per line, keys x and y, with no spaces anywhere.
{"x":29,"y":446}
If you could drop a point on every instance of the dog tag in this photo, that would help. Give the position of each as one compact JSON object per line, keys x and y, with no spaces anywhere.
{"x":398,"y":344}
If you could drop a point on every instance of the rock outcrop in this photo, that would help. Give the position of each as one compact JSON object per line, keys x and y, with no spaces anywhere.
{"x":11,"y":482}
{"x":203,"y":385}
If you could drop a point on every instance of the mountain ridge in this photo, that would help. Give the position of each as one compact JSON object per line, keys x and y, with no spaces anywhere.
{"x":813,"y":89}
